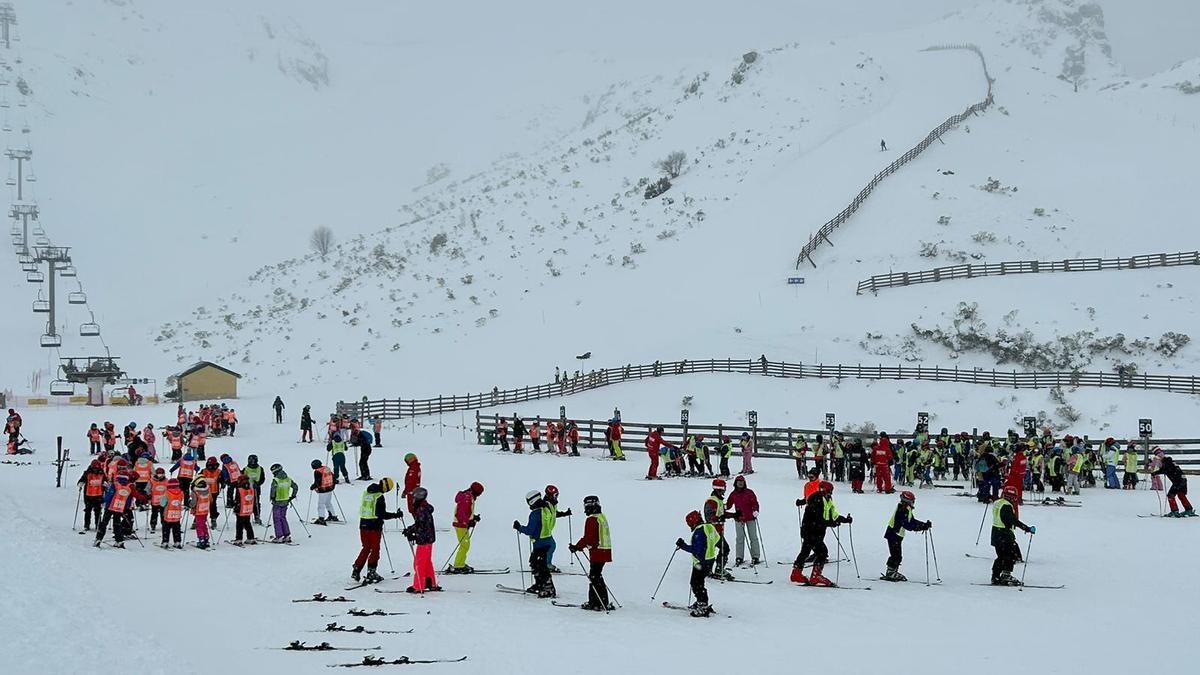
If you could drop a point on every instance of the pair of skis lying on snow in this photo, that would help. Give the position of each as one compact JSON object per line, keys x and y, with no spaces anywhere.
{"x":298,"y":646}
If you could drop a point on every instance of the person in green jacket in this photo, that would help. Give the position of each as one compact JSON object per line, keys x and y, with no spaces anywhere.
{"x":283,"y":491}
{"x":1130,"y":459}
{"x":337,"y":450}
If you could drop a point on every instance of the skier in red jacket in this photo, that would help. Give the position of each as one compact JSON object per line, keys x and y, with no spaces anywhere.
{"x":412,"y":478}
{"x":598,"y":543}
{"x":881,"y":457}
{"x":1016,"y":473}
{"x":654,"y":442}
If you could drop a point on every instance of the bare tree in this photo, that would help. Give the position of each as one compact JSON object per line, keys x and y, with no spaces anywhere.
{"x":673,"y":164}
{"x":321,"y":240}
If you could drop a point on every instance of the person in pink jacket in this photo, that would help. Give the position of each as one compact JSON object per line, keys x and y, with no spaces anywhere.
{"x":747,"y":453}
{"x":150,"y":438}
{"x":744,"y":503}
{"x":464,"y":524}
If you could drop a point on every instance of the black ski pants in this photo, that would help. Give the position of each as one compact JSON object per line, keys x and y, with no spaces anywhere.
{"x":1007,"y":551}
{"x":91,"y":505}
{"x":598,"y":589}
{"x":171,"y":530}
{"x":895,"y":552}
{"x":699,"y":573}
{"x":814,"y":546}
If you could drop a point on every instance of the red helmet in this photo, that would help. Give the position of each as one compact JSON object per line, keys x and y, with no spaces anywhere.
{"x":826,"y":487}
{"x":718,"y":483}
{"x":908,"y":497}
{"x":95,"y":465}
{"x":551,"y":492}
{"x":477,"y":488}
{"x":693,"y":519}
{"x":1009,"y":492}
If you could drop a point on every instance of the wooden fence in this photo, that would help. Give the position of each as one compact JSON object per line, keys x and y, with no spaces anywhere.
{"x":396,"y":408}
{"x":822,"y":234}
{"x":1137,"y":262}
{"x":769,"y":442}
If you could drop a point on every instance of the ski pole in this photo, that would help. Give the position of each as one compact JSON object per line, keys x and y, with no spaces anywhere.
{"x":308,"y":509}
{"x":184,"y":527}
{"x":383,"y":536}
{"x":933,"y":547}
{"x":853,"y":557}
{"x":339,"y":505}
{"x":981,"y":521}
{"x":927,"y":557}
{"x":221,"y":534}
{"x":570,"y":528}
{"x":1026,"y":566}
{"x":612,"y":596}
{"x":79,"y":495}
{"x":521,"y":559}
{"x":467,"y":538}
{"x":837,"y":567}
{"x":762,"y":543}
{"x":297,"y":512}
{"x":664,"y":576}
{"x":411,"y":548}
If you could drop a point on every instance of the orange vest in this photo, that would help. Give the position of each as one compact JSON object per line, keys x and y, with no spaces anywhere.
{"x":119,"y":499}
{"x":326,"y":478}
{"x":175,"y":440}
{"x":194,"y":441}
{"x":245,"y":501}
{"x":212,"y":476}
{"x":235,"y":471}
{"x":230,"y":417}
{"x":534,"y":432}
{"x":93,"y":435}
{"x":200,"y":504}
{"x":94,"y":486}
{"x":142,"y":469}
{"x":158,"y":490}
{"x":173,"y":511}
{"x":187,"y":469}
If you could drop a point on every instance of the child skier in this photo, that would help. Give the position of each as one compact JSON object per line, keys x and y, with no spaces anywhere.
{"x":202,"y":505}
{"x":464,"y":524}
{"x":901,"y":520}
{"x":92,"y":485}
{"x":158,"y":490}
{"x":540,"y":530}
{"x":1178,"y":487}
{"x":117,"y":499}
{"x":244,"y":503}
{"x":597,"y":541}
{"x":254,"y":472}
{"x":337,"y":449}
{"x":323,"y":485}
{"x":283,"y":491}
{"x":421,"y":533}
{"x":714,"y":514}
{"x":412,"y":478}
{"x":172,"y":512}
{"x":745,"y":503}
{"x":372,"y":511}
{"x":1130,"y":479}
{"x":819,"y":515}
{"x":551,"y":500}
{"x":1004,"y":519}
{"x":703,"y":547}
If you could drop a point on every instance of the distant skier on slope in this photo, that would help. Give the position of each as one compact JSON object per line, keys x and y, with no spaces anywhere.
{"x":278,"y":406}
{"x":901,"y":520}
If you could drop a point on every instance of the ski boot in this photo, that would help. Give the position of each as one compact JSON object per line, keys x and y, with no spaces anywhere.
{"x":319,"y":521}
{"x":554,"y":569}
{"x":893,"y":574}
{"x":276,"y":540}
{"x":798,"y":576}
{"x":287,"y":539}
{"x":816,"y":579}
{"x":332,"y":519}
{"x":755,"y":562}
{"x":725,"y":575}
{"x":202,"y":544}
{"x":1005,"y":579}
{"x":411,"y":590}
{"x":465,"y":569}
{"x":119,"y":544}
{"x":591,"y":606}
{"x":701,"y":610}
{"x":178,"y":546}
{"x":373,"y":576}
{"x":547,"y":591}
{"x":164,"y":545}
{"x":1188,"y":513}
{"x":356,"y":574}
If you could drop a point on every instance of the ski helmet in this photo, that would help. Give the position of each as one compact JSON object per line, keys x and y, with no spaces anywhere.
{"x":476,"y":488}
{"x":419,"y":494}
{"x":95,"y":465}
{"x":386,"y":484}
{"x":225,"y":458}
{"x":532,"y":497}
{"x":122,"y":479}
{"x":591,"y":505}
{"x":200,"y":484}
{"x":276,"y":468}
{"x":907,"y":497}
{"x":693,"y":519}
{"x":826,"y":487}
{"x":187,"y":457}
{"x":814,"y":472}
{"x":211,"y":461}
{"x":1009,"y":492}
{"x":718,"y":484}
{"x":1158,"y":452}
{"x":739,"y":481}
{"x":337,"y":438}
{"x":316,"y":464}
{"x":160,"y":472}
{"x":252,"y":459}
{"x":409,"y":458}
{"x":552,"y":494}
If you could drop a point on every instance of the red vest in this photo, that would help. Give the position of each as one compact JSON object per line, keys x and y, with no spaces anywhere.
{"x":94,"y":486}
{"x":326,"y":477}
{"x":142,"y":469}
{"x":158,"y":490}
{"x":235,"y":472}
{"x":119,"y":499}
{"x":245,"y":501}
{"x":173,"y":511}
{"x":200,"y":504}
{"x":187,"y":469}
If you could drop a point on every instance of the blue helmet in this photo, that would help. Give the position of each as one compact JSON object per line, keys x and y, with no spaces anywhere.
{"x":337,"y":437}
{"x":187,"y":457}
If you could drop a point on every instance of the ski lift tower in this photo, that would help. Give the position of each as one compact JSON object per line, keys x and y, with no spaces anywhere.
{"x":24,"y":212}
{"x":8,"y":18}
{"x":56,"y":258}
{"x":22,"y":155}
{"x":94,"y":371}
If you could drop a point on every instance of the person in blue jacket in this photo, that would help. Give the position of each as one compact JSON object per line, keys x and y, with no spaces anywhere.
{"x":901,"y":521}
{"x":540,"y":530}
{"x":703,"y":548}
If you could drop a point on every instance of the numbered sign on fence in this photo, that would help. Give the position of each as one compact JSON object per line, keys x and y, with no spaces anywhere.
{"x":617,"y":414}
{"x":1145,"y":427}
{"x":1030,"y":427}
{"x":795,"y":281}
{"x":683,"y":416}
{"x":753,"y":415}
{"x":562,"y":412}
{"x":923,"y":422}
{"x":830,"y":421}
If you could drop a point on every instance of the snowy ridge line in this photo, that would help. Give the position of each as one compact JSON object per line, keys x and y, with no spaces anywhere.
{"x":396,"y":408}
{"x":774,"y":442}
{"x":822,"y":234}
{"x":970,"y":271}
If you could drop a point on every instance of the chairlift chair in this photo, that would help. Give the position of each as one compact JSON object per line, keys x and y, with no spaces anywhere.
{"x":35,"y":277}
{"x":76,"y":298}
{"x":11,"y":181}
{"x":31,"y":177}
{"x":41,"y":305}
{"x":90,"y":328}
{"x":24,"y":258}
{"x":67,"y":271}
{"x":51,"y":340}
{"x":42,"y":241}
{"x":7,"y":127}
{"x":38,"y":230}
{"x":29,"y":268}
{"x":61,"y":388}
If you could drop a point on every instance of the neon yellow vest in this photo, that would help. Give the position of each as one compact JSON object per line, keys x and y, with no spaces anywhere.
{"x":605,"y":537}
{"x":367,"y":508}
{"x":283,"y":491}
{"x":549,"y":514}
{"x":710,"y":546}
{"x":996,"y":508}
